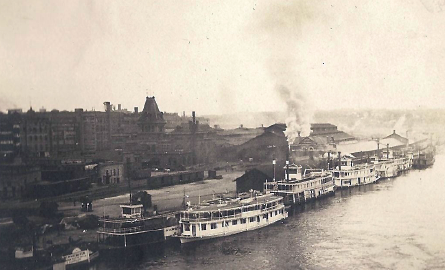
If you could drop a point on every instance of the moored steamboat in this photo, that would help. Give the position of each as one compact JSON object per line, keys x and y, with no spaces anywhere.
{"x":300,"y":186}
{"x":347,"y":174}
{"x":133,"y":229}
{"x":223,"y":217}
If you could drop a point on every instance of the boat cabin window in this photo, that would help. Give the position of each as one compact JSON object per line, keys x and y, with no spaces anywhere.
{"x":252,"y":219}
{"x":243,"y":221}
{"x":234,"y":222}
{"x":126,"y":210}
{"x":213,"y":226}
{"x":186,"y":227}
{"x":203,"y":227}
{"x":258,"y":218}
{"x":293,"y":171}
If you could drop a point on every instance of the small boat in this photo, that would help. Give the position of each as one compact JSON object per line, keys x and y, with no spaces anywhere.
{"x":71,"y":255}
{"x":79,"y":256}
{"x":223,"y":217}
{"x":349,"y":174}
{"x":300,"y":186}
{"x":133,"y":229}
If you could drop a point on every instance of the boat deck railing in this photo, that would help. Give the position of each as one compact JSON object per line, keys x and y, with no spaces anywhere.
{"x":126,"y":230}
{"x":238,"y":215}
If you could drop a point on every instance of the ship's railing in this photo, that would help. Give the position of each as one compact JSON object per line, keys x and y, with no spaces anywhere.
{"x":123,"y":230}
{"x":238,"y":215}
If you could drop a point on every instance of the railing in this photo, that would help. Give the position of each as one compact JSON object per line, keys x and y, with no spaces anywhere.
{"x":126,"y":230}
{"x":239,"y":215}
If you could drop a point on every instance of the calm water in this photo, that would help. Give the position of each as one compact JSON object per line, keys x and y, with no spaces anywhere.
{"x":395,"y":224}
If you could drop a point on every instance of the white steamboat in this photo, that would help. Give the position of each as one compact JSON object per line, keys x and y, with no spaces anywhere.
{"x":300,"y":186}
{"x":348,"y":174}
{"x":223,"y":217}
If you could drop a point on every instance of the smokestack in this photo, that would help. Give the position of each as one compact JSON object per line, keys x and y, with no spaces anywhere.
{"x":136,"y":109}
{"x":387,"y":150}
{"x":339,"y":161}
{"x":287,"y":163}
{"x":299,"y":133}
{"x":378,"y":149}
{"x":329,"y":159}
{"x":193,"y":117}
{"x":287,"y":170}
{"x":119,"y":107}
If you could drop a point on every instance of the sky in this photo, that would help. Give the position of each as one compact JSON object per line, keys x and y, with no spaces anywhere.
{"x":218,"y":57}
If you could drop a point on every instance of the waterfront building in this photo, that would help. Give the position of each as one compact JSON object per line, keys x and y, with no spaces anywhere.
{"x":17,"y":178}
{"x":111,"y":172}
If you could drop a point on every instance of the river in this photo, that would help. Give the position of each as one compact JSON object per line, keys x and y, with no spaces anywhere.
{"x":394,"y":224}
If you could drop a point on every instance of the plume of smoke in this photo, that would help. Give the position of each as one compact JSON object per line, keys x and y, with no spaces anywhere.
{"x":399,"y":125}
{"x":282,"y":26}
{"x":298,"y":118}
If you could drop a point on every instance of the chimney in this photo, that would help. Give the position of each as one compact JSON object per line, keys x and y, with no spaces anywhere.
{"x":136,"y":110}
{"x":193,"y":117}
{"x":339,"y":161}
{"x":107,"y":105}
{"x":393,"y":131}
{"x":119,"y":107}
{"x":299,"y":132}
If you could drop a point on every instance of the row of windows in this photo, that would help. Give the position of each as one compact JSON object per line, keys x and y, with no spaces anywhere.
{"x":289,"y":187}
{"x":235,"y":221}
{"x":112,"y":172}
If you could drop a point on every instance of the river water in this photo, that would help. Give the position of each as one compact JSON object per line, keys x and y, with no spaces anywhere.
{"x":394,"y":224}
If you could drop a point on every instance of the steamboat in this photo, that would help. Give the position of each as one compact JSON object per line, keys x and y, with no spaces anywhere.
{"x":223,"y":217}
{"x":132,"y":228}
{"x":424,"y":158}
{"x":300,"y":186}
{"x":348,"y":174}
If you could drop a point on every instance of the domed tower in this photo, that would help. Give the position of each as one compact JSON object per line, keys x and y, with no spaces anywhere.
{"x":151,"y":120}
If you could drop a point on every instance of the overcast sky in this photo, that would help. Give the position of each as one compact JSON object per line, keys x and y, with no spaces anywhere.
{"x":226,"y":56}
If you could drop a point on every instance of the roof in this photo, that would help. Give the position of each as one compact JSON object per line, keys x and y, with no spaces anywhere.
{"x":367,"y":146}
{"x":279,"y":127}
{"x":322,"y":125}
{"x":229,"y":203}
{"x":151,"y":112}
{"x":396,"y":136}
